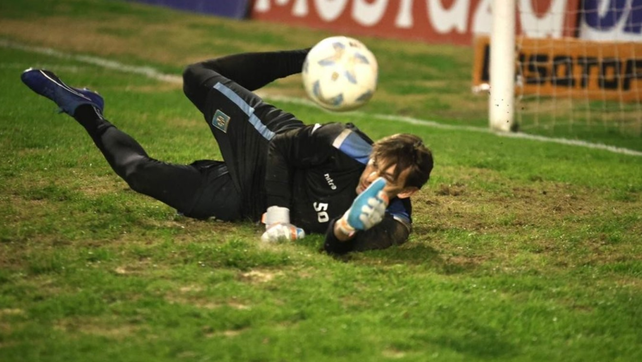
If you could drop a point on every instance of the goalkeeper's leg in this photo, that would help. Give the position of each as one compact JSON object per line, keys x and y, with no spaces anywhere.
{"x":249,"y":70}
{"x":240,"y":121}
{"x":202,"y":189}
{"x":222,"y":88}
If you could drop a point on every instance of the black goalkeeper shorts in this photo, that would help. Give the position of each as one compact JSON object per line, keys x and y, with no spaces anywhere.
{"x":216,"y":197}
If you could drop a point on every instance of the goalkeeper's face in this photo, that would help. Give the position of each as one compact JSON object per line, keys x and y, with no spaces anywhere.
{"x":395,"y":187}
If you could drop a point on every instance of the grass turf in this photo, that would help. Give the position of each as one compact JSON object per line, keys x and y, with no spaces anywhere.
{"x":522,"y":250}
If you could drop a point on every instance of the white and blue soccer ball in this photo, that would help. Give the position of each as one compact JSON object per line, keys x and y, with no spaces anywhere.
{"x":340,"y":73}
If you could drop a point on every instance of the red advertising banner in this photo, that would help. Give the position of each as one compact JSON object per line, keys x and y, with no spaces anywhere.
{"x":435,"y":21}
{"x":405,"y":19}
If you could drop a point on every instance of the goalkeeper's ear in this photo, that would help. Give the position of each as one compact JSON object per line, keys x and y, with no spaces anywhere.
{"x":407,"y":192}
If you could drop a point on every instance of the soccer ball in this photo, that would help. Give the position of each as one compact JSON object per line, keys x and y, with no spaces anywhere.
{"x":340,"y":73}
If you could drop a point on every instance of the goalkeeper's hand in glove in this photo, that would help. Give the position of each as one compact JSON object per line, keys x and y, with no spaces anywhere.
{"x":282,"y":232}
{"x":278,"y":227}
{"x":367,"y":209}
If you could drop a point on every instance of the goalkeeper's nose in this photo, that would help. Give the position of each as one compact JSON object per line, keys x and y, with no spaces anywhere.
{"x":371,"y":177}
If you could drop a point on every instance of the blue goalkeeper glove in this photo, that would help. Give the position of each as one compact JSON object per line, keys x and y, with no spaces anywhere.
{"x":367,"y":209}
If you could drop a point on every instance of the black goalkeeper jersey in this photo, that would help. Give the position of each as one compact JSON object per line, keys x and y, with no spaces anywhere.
{"x":311,"y":169}
{"x":315,"y":170}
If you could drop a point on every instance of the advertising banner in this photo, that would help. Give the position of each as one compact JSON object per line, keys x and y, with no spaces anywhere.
{"x":434,"y":21}
{"x":229,"y":8}
{"x":619,"y":20}
{"x":571,"y":68}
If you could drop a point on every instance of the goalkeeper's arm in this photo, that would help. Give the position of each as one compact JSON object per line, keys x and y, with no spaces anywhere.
{"x":366,"y":225}
{"x":387,"y":233}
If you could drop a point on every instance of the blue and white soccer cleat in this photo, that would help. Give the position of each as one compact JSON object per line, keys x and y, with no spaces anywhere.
{"x":47,"y":84}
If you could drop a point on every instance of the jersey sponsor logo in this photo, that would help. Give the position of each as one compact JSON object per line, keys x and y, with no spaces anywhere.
{"x":330,"y":181}
{"x":220,"y":120}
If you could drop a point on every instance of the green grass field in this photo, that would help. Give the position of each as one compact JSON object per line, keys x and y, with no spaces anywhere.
{"x":522,"y":250}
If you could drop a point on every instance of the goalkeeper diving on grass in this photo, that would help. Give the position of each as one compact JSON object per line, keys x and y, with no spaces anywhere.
{"x":297,"y":179}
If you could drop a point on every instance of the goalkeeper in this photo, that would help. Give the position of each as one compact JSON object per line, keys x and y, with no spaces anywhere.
{"x":296,"y":178}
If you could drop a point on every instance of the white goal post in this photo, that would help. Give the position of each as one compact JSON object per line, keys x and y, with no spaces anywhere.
{"x":501,"y":107}
{"x":568,"y":65}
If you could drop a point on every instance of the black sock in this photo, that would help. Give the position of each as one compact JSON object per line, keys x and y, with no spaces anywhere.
{"x":92,"y":119}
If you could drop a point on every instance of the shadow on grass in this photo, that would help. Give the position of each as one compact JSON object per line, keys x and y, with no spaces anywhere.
{"x":414,"y":254}
{"x":483,"y":344}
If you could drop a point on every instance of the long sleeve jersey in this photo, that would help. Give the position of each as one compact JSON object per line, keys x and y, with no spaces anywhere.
{"x":315,"y":170}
